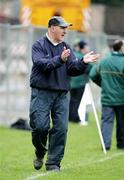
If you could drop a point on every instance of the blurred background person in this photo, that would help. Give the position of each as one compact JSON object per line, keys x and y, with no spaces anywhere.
{"x":78,"y":83}
{"x":109,"y":74}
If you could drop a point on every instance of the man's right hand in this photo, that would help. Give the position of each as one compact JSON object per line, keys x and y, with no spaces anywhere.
{"x":65,"y":54}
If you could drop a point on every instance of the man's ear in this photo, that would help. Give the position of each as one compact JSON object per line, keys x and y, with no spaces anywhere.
{"x":53,"y":29}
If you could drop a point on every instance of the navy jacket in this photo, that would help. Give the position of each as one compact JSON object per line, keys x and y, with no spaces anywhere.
{"x":49,"y":71}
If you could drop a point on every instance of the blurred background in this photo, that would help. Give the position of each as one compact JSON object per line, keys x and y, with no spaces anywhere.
{"x":98,"y":22}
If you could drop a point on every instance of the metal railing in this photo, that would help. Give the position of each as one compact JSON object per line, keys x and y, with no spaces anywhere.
{"x":15,"y":65}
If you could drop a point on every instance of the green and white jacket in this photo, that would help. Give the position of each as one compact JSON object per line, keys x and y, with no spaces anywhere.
{"x":109,"y":74}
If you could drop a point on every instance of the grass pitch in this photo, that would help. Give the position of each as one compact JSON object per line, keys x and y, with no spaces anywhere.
{"x":83,"y":160}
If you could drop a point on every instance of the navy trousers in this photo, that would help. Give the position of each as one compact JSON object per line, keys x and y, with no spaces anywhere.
{"x":75,"y":98}
{"x":49,"y":112}
{"x":108,"y":114}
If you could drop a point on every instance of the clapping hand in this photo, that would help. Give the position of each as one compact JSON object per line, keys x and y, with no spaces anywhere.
{"x":91,"y":57}
{"x":65,"y":54}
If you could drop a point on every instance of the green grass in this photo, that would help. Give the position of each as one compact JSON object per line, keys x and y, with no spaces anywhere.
{"x":83,"y":160}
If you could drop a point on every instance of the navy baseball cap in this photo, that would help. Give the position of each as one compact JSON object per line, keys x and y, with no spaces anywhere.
{"x":82,"y":44}
{"x":58,"y":21}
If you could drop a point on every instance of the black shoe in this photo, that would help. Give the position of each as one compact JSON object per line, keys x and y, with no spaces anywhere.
{"x":120,"y":148}
{"x":54,"y":168}
{"x":38,"y":163}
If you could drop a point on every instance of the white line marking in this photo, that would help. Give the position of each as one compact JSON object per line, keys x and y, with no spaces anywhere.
{"x":38,"y":175}
{"x":78,"y":164}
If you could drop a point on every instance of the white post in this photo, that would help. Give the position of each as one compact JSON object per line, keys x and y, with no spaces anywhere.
{"x":96,"y":118}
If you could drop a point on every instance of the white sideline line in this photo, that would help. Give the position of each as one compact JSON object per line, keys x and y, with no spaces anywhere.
{"x":38,"y":175}
{"x":77,"y":165}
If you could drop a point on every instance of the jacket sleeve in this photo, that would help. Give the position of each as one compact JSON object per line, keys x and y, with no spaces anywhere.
{"x":89,"y":67}
{"x":95,"y":74}
{"x":75,"y":66}
{"x":41,"y":59}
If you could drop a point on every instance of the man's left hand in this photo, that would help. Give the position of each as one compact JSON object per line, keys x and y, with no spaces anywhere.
{"x":91,"y":57}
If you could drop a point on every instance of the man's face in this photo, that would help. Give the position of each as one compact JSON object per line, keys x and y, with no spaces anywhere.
{"x":59,"y":33}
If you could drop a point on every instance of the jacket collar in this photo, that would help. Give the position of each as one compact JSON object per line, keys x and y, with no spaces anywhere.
{"x":114,"y":53}
{"x":54,"y":44}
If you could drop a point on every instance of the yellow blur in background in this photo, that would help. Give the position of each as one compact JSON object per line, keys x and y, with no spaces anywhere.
{"x":38,"y":12}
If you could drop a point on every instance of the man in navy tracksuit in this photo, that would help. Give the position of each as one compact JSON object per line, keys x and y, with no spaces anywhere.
{"x":53,"y":63}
